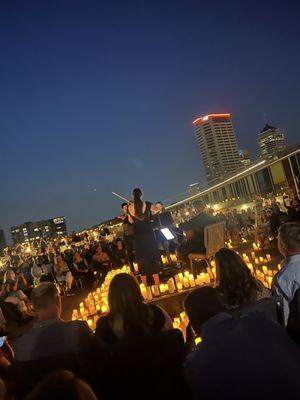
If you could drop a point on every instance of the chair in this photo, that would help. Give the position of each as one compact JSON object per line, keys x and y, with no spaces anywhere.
{"x":271,"y":307}
{"x":214,"y":240}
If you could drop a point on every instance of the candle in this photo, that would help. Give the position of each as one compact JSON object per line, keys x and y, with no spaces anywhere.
{"x":256,"y":261}
{"x":261,"y":259}
{"x":192,"y":280}
{"x":268,"y":257}
{"x":265,"y":269}
{"x":171,"y":285}
{"x":135,"y":267}
{"x":179,"y":286}
{"x":104,"y":308}
{"x":250,"y":266}
{"x":155,"y":290}
{"x":186,"y":283}
{"x":210,"y":273}
{"x":149,"y":293}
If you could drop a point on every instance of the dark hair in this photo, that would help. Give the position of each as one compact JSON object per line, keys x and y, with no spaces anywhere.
{"x":62,"y":385}
{"x":202,"y":304}
{"x":289,"y":233}
{"x":124,"y":204}
{"x":236,"y":284}
{"x":137,"y":202}
{"x":44,"y":295}
{"x":125,"y":299}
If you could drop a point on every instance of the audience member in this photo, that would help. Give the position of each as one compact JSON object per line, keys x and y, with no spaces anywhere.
{"x":62,"y":272}
{"x":119,"y":254}
{"x":236,"y":284}
{"x":62,"y":385}
{"x":129,"y":316}
{"x":50,"y":335}
{"x":249,"y":357}
{"x":287,"y":280}
{"x":13,"y":294}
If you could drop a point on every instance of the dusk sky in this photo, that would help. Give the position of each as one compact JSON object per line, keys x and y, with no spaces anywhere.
{"x":99,"y":96}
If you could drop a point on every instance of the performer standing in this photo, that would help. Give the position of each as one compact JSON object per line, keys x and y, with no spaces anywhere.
{"x":146,"y":251}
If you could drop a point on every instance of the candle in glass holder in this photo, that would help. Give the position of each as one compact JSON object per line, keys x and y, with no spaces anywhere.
{"x":250,"y":266}
{"x":192,"y":280}
{"x":261,"y":259}
{"x":104,"y":308}
{"x":256,"y":261}
{"x":155,"y":290}
{"x":179,"y":286}
{"x":149,"y":293}
{"x":186,"y":283}
{"x":265,"y":269}
{"x":268,"y":257}
{"x":180,"y":277}
{"x":171,"y":285}
{"x":135,"y":267}
{"x":210,"y":273}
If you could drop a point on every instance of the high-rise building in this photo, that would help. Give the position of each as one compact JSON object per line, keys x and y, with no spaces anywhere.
{"x":2,"y":241}
{"x":45,"y":229}
{"x":271,"y":141}
{"x":245,"y":157}
{"x":218,"y":145}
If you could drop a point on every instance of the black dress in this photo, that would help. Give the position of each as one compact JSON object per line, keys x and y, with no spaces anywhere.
{"x":146,"y":250}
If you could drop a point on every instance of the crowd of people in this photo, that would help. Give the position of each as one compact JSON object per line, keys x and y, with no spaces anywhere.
{"x":135,"y":351}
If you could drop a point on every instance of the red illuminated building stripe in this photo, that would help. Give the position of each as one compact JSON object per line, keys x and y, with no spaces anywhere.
{"x":206,"y":117}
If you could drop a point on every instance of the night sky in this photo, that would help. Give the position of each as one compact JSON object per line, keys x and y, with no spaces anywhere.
{"x":98,"y":96}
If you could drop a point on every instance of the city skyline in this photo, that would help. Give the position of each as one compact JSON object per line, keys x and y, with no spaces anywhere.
{"x":103,"y":98}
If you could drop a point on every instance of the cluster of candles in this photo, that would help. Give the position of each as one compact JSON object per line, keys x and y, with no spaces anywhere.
{"x":96,"y":303}
{"x":258,"y":267}
{"x":179,"y":282}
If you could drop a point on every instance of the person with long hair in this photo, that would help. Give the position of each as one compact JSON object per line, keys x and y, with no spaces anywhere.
{"x":129,"y":317}
{"x":146,"y":250}
{"x":236,"y":285}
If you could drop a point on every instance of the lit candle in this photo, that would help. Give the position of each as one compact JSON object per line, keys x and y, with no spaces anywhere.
{"x":171,"y":285}
{"x":265,"y":269}
{"x":186,"y":283}
{"x":192,"y":280}
{"x":268,"y":257}
{"x":135,"y":267}
{"x":179,"y":286}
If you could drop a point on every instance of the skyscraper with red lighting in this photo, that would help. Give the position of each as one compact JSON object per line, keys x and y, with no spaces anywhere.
{"x":218,"y":145}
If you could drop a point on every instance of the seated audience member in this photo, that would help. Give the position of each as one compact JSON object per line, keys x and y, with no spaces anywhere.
{"x":236,"y":285}
{"x":287,"y":280}
{"x":62,"y":272}
{"x":263,"y":227}
{"x":129,"y":317}
{"x":13,"y":294}
{"x":293,"y":209}
{"x":249,"y":357}
{"x":80,"y":263}
{"x":101,"y":257}
{"x":119,"y":254}
{"x":50,"y":336}
{"x":277,"y":218}
{"x":62,"y":385}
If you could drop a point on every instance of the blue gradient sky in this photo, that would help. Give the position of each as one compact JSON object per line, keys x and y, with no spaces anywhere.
{"x":98,"y":96}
